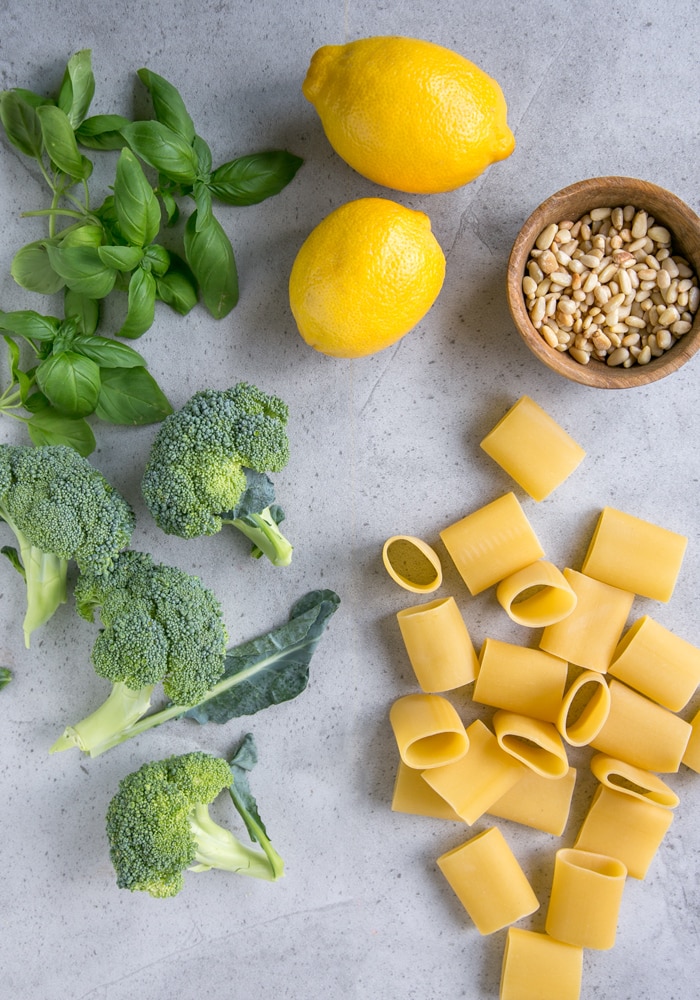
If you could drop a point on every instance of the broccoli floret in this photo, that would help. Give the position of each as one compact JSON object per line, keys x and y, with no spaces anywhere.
{"x":158,"y":824}
{"x":160,"y":626}
{"x":60,"y":508}
{"x":208,"y":465}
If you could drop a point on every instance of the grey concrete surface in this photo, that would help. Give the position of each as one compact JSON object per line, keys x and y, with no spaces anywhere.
{"x":382,"y":445}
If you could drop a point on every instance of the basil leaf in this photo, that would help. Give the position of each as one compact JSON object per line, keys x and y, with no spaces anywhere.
{"x":135,"y":204}
{"x":131,"y":396}
{"x":82,"y":234}
{"x":70,"y":382}
{"x":31,"y":269}
{"x":142,"y":304}
{"x":82,"y":270}
{"x":249,"y":180}
{"x":157,"y":258}
{"x":168,"y":105}
{"x":121,"y":258}
{"x":210,"y":255}
{"x":163,"y":149}
{"x":77,"y":88}
{"x":48,"y":426}
{"x":202,"y":199}
{"x":29,"y":324}
{"x":84,"y":310}
{"x":102,"y":132}
{"x":271,"y":669}
{"x":108,"y":353}
{"x":59,"y":140}
{"x":21,"y":122}
{"x":177,"y":287}
{"x":203,"y":152}
{"x":172,"y":209}
{"x":19,"y":378}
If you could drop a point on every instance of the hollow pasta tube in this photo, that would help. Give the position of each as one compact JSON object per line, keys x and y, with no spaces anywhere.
{"x":535,"y":743}
{"x":428,"y":730}
{"x":412,"y":563}
{"x":632,"y":554}
{"x":536,"y":967}
{"x":537,"y":595}
{"x":473,"y":783}
{"x":588,"y":636}
{"x":413,"y":795}
{"x":584,"y":708}
{"x":537,"y":802}
{"x":691,"y":755}
{"x":585,"y":899}
{"x":660,"y":664}
{"x":438,"y":644}
{"x":491,"y":543}
{"x":625,"y":827}
{"x":533,"y":449}
{"x":641,"y":732}
{"x":630,"y":780}
{"x":520,"y":679}
{"x":488,"y":881}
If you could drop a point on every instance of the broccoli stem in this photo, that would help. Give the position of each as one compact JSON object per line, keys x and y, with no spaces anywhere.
{"x":45,"y":575}
{"x":263,"y":531}
{"x":107,"y":725}
{"x":217,"y":847}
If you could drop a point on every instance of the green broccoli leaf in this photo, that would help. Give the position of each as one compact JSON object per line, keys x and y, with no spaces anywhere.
{"x":5,"y":677}
{"x":271,"y":669}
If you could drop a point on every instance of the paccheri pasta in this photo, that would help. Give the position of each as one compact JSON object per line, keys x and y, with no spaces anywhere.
{"x":584,"y":683}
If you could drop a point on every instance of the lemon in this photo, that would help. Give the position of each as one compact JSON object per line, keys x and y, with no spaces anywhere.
{"x":408,"y":114}
{"x":364,"y":277}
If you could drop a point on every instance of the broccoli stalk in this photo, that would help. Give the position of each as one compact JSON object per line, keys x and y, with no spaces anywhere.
{"x":116,"y":715}
{"x":208,"y":465}
{"x":59,"y":508}
{"x":158,"y":823}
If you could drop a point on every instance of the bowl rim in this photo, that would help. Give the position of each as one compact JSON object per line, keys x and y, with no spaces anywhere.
{"x":604,"y":190}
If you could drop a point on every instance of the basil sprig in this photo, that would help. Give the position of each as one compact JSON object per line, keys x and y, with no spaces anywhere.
{"x":183,"y":162}
{"x":72,"y":374}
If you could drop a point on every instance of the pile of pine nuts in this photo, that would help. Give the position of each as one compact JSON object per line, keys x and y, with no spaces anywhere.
{"x":608,"y":287}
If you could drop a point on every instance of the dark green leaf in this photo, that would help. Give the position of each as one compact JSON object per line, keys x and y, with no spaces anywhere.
{"x":14,"y":558}
{"x":168,"y":105}
{"x":271,"y":669}
{"x":70,"y":382}
{"x":84,"y":310}
{"x":178,"y":286}
{"x":102,"y":132}
{"x":108,"y":353}
{"x":172,"y":209}
{"x":31,"y":269}
{"x":59,"y":140}
{"x":258,"y":494}
{"x":21,"y":122}
{"x":251,"y":179}
{"x":78,"y":87}
{"x":157,"y":258}
{"x":82,"y":270}
{"x":21,"y":379}
{"x":131,"y":396}
{"x":142,"y":304}
{"x":5,"y":677}
{"x":29,"y":324}
{"x":241,"y":764}
{"x":48,"y":426}
{"x":137,"y":208}
{"x":164,"y":149}
{"x":203,"y":152}
{"x":210,"y":255}
{"x":121,"y":258}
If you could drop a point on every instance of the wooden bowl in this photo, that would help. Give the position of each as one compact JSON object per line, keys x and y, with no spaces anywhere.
{"x":572,"y":203}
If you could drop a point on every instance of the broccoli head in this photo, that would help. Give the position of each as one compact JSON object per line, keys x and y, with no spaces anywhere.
{"x":160,"y":626}
{"x":158,"y":824}
{"x":208,"y":465}
{"x":60,"y":508}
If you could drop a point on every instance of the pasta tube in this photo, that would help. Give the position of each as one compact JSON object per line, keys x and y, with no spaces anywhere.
{"x":438,"y":645}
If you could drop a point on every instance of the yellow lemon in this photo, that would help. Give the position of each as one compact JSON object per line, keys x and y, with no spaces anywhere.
{"x":408,"y":114}
{"x":364,"y":277}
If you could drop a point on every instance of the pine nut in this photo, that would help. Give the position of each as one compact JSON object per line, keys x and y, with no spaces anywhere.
{"x":608,"y":286}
